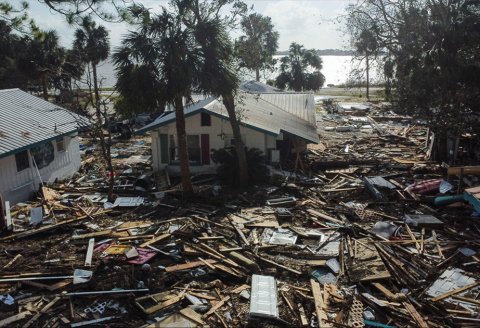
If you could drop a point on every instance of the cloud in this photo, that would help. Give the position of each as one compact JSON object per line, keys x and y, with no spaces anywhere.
{"x":305,"y":22}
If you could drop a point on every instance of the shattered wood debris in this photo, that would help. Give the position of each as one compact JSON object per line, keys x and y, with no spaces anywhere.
{"x":357,"y":242}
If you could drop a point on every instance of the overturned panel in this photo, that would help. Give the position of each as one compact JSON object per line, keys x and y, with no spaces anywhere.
{"x":263,"y":300}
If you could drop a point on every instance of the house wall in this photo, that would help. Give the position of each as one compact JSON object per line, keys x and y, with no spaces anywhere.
{"x":218,"y":127}
{"x":20,"y":186}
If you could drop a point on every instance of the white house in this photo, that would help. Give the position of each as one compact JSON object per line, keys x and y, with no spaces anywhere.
{"x":275,"y":122}
{"x":38,"y":143}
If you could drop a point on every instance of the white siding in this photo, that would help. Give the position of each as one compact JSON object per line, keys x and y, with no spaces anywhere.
{"x":20,"y":186}
{"x":219,"y":127}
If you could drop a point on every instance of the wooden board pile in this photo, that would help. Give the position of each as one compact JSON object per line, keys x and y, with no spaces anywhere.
{"x":349,"y":248}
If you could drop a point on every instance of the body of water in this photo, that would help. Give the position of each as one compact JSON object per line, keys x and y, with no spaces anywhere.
{"x":337,"y":70}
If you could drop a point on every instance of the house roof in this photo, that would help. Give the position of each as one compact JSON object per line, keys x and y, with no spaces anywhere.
{"x":255,"y":113}
{"x":26,"y":120}
{"x":301,"y":104}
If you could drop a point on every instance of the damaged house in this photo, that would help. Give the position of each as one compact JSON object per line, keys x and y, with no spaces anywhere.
{"x":38,"y":143}
{"x":278,"y":123}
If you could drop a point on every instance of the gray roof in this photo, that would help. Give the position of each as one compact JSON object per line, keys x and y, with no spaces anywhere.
{"x":254,"y":86}
{"x":26,"y":120}
{"x":255,"y":113}
{"x":301,"y":104}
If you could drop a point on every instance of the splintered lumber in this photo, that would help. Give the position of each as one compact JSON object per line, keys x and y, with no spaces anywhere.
{"x":415,"y":315}
{"x":9,"y":264}
{"x":245,"y":261}
{"x":216,"y":306}
{"x":192,"y":315}
{"x":160,"y":305}
{"x":188,"y":266}
{"x":465,"y":170}
{"x":51,"y":227}
{"x":42,"y":311}
{"x":155,"y":240}
{"x":240,"y":233}
{"x":8,"y":216}
{"x":279,"y":265}
{"x":318,"y":299}
{"x":466,"y":299}
{"x":455,"y":291}
{"x":207,"y":297}
{"x":324,"y":216}
{"x":239,"y":289}
{"x":88,"y":257}
{"x":303,"y":317}
{"x":7,"y":321}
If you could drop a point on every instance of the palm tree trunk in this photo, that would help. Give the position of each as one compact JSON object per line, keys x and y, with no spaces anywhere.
{"x":229,"y":104}
{"x":368,"y":78}
{"x":257,"y":74}
{"x":182,"y":147}
{"x":44,"y":86}
{"x":103,"y":144}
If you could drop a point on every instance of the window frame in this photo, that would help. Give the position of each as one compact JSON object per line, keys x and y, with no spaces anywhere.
{"x":62,"y":142}
{"x":205,"y":119}
{"x":18,"y":159}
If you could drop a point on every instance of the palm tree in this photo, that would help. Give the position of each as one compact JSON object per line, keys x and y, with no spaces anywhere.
{"x":218,"y":77}
{"x":295,"y":70}
{"x":184,"y":51}
{"x":164,"y":46}
{"x":93,"y":43}
{"x":43,"y":58}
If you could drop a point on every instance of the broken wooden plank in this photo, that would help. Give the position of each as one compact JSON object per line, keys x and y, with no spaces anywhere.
{"x":88,"y":257}
{"x":188,"y":266}
{"x":46,"y":228}
{"x":253,"y":266}
{"x":455,"y":291}
{"x":318,"y":299}
{"x":216,"y":306}
{"x":278,"y":265}
{"x":192,"y":315}
{"x":7,"y":321}
{"x":324,"y":216}
{"x":415,"y":315}
{"x":155,"y":240}
{"x":8,"y":216}
{"x":10,"y":263}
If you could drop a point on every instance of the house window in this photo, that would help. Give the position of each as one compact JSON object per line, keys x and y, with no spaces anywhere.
{"x":206,"y":119}
{"x":60,"y":145}
{"x":193,"y":145}
{"x":193,"y":148}
{"x":21,"y":159}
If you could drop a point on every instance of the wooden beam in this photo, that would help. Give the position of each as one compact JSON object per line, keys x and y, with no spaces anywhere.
{"x":318,"y":299}
{"x":88,"y":257}
{"x":216,"y":306}
{"x":155,"y":240}
{"x":455,"y":291}
{"x":324,"y":216}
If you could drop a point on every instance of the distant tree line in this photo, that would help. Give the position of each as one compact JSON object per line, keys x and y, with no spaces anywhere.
{"x":430,"y":57}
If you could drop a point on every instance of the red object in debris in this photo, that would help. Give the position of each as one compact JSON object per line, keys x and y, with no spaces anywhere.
{"x":425,"y":186}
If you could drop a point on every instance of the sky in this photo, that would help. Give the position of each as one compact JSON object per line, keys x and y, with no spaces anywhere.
{"x":308,"y":22}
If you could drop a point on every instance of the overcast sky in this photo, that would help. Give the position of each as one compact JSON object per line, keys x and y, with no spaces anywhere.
{"x":308,"y":22}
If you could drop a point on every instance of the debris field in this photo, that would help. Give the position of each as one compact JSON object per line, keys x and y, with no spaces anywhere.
{"x":368,"y":233}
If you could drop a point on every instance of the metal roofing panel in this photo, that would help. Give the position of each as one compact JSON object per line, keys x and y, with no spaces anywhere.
{"x":263,"y":299}
{"x":26,"y":120}
{"x":255,"y":112}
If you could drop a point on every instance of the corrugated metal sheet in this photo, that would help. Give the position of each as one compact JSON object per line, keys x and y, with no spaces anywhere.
{"x":26,"y":120}
{"x":254,"y":112}
{"x":263,"y":300}
{"x":301,"y":104}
